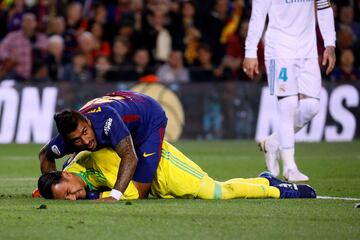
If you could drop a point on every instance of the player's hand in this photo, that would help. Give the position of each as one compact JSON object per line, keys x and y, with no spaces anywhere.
{"x":329,"y":59}
{"x":107,"y":199}
{"x":251,"y":67}
{"x":36,"y":193}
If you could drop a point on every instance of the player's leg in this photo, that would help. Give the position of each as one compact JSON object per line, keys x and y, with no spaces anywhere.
{"x":149,"y":154}
{"x":307,"y":108}
{"x":287,"y":95}
{"x":309,"y":85}
{"x":258,"y":180}
{"x":309,"y":91}
{"x":309,"y":104}
{"x":282,"y":77}
{"x":264,"y":178}
{"x":286,"y":109}
{"x":177,"y":176}
{"x":210,"y":189}
{"x":270,"y":145}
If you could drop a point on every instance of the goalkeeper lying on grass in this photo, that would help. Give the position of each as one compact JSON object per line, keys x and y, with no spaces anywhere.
{"x":91,"y":175}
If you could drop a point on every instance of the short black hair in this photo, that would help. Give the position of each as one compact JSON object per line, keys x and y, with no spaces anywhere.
{"x":46,"y":181}
{"x":67,"y":121}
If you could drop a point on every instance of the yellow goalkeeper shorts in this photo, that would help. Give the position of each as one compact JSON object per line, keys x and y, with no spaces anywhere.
{"x":176,"y":176}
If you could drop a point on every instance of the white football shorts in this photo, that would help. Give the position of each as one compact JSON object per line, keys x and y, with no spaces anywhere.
{"x":287,"y":77}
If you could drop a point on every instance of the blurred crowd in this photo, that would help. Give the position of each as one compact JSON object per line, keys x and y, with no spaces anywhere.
{"x":170,"y":41}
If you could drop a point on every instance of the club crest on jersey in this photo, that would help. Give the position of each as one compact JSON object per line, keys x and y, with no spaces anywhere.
{"x":107,"y":126}
{"x":55,"y":150}
{"x":282,"y":88}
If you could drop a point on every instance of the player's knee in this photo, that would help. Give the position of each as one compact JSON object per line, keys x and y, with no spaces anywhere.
{"x":227,"y":191}
{"x":312,"y":106}
{"x":209,"y":189}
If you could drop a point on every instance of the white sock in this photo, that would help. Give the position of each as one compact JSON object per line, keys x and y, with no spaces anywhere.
{"x":273,"y":142}
{"x":307,"y":109}
{"x":287,"y":155}
{"x":287,"y":108}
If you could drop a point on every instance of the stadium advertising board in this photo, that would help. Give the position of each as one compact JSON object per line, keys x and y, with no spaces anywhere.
{"x":230,"y":110}
{"x":26,"y":114}
{"x":336,"y":121}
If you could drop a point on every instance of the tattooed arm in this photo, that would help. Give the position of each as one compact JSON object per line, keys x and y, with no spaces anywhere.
{"x":125,"y":149}
{"x":46,"y":164}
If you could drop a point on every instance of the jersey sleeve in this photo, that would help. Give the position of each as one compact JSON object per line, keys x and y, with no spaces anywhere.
{"x":259,"y":11}
{"x":325,"y":17}
{"x":114,"y":127}
{"x":57,"y":148}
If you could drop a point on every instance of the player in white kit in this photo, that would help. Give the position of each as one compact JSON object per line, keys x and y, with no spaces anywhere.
{"x":293,"y":70}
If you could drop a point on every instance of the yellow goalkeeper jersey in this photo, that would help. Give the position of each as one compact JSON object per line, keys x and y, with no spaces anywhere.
{"x":99,"y":171}
{"x":176,"y":176}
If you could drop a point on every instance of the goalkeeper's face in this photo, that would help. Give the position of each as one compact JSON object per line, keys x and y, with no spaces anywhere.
{"x":71,"y":187}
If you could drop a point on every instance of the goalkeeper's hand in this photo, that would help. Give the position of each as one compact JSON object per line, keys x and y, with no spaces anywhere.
{"x":36,"y":193}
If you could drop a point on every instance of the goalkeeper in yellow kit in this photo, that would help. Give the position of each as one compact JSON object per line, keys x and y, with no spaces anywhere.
{"x":92,"y":175}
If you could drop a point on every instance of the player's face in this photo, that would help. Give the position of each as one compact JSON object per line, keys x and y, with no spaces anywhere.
{"x":71,"y":187}
{"x":83,"y":138}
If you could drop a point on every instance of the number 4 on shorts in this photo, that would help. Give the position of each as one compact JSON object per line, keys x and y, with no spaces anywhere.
{"x":283,"y":74}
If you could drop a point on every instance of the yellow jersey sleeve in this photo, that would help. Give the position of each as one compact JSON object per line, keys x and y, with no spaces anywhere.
{"x":99,"y":170}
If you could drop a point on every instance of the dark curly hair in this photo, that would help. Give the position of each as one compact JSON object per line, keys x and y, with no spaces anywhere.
{"x":67,"y":121}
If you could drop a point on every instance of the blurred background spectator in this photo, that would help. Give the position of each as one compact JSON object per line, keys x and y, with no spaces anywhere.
{"x":141,"y":64}
{"x":120,"y":61}
{"x":203,"y":69}
{"x":346,"y":71}
{"x":347,"y":20}
{"x":39,"y":72}
{"x":158,"y":37}
{"x":173,"y":71}
{"x":125,"y":40}
{"x":102,"y":67}
{"x":16,"y":11}
{"x":78,"y":70}
{"x":20,"y":48}
{"x":55,"y":59}
{"x":86,"y":42}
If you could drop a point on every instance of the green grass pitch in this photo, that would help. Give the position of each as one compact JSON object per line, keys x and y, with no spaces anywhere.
{"x":334,"y":169}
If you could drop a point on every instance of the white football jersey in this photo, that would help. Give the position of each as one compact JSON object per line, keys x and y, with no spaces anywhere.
{"x":290,"y":32}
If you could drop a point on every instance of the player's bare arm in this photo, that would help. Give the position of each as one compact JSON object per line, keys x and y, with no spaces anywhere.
{"x":329,"y":59}
{"x":46,"y":164}
{"x":125,"y":150}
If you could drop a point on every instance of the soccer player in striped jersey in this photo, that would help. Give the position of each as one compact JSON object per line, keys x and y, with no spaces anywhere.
{"x":293,"y":71}
{"x":130,"y":123}
{"x":92,"y":174}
